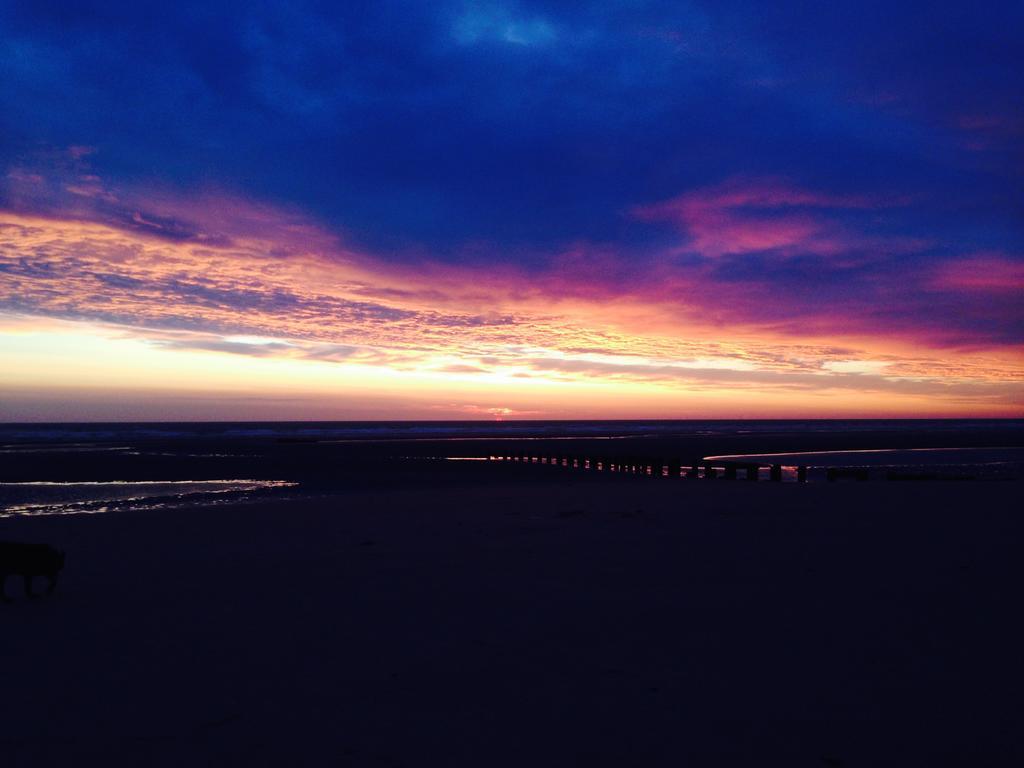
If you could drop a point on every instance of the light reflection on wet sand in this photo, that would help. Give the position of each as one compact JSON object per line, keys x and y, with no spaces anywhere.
{"x":71,"y":498}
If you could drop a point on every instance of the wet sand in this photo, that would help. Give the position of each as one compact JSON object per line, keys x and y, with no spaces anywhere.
{"x":519,"y":618}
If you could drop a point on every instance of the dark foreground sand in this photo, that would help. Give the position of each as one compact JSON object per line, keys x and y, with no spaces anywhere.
{"x":533,"y":623}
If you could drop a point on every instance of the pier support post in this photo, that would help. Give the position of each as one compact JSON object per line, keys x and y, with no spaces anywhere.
{"x":753,"y":473}
{"x":801,"y":474}
{"x":776,"y":473}
{"x":730,"y":471}
{"x":710,"y":473}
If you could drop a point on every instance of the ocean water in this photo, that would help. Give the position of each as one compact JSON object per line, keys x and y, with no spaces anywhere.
{"x":77,"y":468}
{"x":885,"y":457}
{"x":101,"y":436}
{"x":980,"y":463}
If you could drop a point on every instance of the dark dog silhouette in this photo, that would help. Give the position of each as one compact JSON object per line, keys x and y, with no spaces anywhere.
{"x":28,"y":560}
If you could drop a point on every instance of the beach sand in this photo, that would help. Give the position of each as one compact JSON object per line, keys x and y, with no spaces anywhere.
{"x":529,"y":618}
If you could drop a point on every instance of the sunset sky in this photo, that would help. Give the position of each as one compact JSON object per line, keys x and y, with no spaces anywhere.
{"x":288,"y":210}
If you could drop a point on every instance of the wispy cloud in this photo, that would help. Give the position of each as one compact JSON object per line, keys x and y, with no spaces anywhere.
{"x":269,"y":284}
{"x":758,"y":215}
{"x":988,"y":272}
{"x":499,"y":23}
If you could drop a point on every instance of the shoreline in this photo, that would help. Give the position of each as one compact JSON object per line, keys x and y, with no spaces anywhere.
{"x":545,"y":620}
